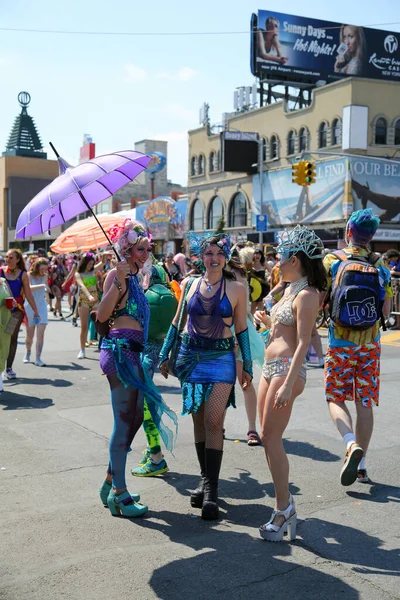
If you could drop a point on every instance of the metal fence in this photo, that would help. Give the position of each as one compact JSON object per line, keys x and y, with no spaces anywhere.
{"x":396,"y":296}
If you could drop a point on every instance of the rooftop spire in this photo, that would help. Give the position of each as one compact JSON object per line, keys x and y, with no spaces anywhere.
{"x":24,"y":139}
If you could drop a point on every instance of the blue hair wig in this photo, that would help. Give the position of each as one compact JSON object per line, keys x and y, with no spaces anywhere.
{"x":363,"y":225}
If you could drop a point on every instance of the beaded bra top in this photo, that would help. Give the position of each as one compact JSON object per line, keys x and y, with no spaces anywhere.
{"x":282,"y":312}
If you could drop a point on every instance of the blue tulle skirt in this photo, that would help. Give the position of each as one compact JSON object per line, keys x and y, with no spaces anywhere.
{"x":202,"y":363}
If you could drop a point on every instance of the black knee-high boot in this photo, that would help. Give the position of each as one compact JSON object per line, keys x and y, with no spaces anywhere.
{"x":210,"y":510}
{"x":196,"y":497}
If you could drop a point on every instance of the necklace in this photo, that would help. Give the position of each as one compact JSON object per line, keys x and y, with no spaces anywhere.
{"x":11,"y":271}
{"x":296,"y":286}
{"x":210,"y":285}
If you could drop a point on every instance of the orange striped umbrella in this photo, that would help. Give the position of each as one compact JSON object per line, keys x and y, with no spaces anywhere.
{"x":85,"y":234}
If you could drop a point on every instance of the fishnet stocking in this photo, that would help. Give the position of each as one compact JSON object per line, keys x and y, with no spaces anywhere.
{"x":209,"y":420}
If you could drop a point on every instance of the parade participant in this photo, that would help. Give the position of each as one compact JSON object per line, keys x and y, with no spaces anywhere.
{"x":38,"y":274}
{"x":180,"y":260}
{"x":5,"y":317}
{"x":259,"y":273}
{"x":206,"y":364}
{"x":171,"y":268}
{"x":163,"y":306}
{"x":257,"y":350}
{"x":125,"y":307}
{"x":284,"y":374}
{"x":58,"y":274}
{"x":352,"y":363}
{"x":88,"y":295}
{"x":18,"y":283}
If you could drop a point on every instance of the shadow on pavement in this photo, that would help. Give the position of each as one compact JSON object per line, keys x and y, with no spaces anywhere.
{"x":40,"y":381}
{"x":12,"y":401}
{"x":377,"y":492}
{"x":231,"y":565}
{"x":304,"y":449}
{"x":307,"y":450}
{"x":349,"y":545}
{"x":70,"y":367}
{"x":242,"y":487}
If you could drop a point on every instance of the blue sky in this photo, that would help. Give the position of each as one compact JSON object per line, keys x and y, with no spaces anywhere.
{"x":121,"y":89}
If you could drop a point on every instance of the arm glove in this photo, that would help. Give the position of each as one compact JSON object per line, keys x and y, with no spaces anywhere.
{"x":244,"y":345}
{"x":168,"y":343}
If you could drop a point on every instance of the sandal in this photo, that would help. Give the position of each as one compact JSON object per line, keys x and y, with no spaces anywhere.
{"x":274,"y":533}
{"x":253,"y":439}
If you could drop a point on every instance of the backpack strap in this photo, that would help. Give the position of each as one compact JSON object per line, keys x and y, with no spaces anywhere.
{"x":341,"y":254}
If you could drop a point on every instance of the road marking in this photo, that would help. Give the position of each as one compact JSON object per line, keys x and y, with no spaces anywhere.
{"x":391,"y":339}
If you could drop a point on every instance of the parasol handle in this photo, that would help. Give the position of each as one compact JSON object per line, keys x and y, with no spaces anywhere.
{"x":98,"y":223}
{"x":54,"y":150}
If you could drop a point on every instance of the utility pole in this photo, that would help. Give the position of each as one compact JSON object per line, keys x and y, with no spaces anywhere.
{"x":260,"y":174}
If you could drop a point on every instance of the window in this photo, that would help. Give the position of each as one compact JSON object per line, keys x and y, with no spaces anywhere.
{"x":212,"y":166}
{"x":380,"y":131}
{"x":264,"y":149}
{"x":397,"y":133}
{"x":238,"y":211}
{"x":196,"y":221}
{"x":215,"y":212}
{"x":273,"y":147}
{"x":202,"y":165}
{"x":193,"y":166}
{"x":303,"y":139}
{"x":291,"y":143}
{"x":219,"y":163}
{"x":335,"y":138}
{"x":322,"y":135}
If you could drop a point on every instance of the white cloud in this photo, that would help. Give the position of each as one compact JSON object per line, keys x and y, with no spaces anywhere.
{"x":184,"y":74}
{"x":133,"y":73}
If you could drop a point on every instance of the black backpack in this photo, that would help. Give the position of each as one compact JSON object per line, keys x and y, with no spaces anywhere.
{"x":357,"y":295}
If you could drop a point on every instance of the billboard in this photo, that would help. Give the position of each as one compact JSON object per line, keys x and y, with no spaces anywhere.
{"x":297,"y":49}
{"x":342,"y":186}
{"x":239,"y":151}
{"x":163,"y":217}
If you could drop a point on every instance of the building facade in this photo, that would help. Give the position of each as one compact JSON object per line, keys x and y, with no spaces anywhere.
{"x":24,"y":171}
{"x":144,"y":188}
{"x":355,"y":116}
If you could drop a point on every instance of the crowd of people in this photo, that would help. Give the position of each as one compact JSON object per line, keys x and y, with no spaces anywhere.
{"x":207,"y":319}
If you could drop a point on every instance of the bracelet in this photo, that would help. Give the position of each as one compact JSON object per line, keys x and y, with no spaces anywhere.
{"x":117,"y":283}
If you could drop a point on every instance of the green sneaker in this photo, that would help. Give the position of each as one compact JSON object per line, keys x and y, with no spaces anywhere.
{"x":151,"y":469}
{"x":145,"y":456}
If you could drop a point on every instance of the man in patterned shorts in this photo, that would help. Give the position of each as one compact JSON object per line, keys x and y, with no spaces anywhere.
{"x":352,"y":364}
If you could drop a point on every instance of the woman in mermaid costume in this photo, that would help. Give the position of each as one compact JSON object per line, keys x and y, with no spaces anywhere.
{"x":206,"y":364}
{"x":126,"y":306}
{"x":284,"y":374}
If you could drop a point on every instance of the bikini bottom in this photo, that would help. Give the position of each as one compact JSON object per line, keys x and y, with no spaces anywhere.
{"x":278,"y":367}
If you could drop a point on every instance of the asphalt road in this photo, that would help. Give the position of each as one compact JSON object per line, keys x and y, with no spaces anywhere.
{"x":58,"y":542}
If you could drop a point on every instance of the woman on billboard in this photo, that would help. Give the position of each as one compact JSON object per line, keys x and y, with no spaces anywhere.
{"x":268,"y":42}
{"x":351,"y":52}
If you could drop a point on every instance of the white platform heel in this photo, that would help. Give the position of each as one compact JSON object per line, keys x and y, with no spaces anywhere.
{"x":273,"y":533}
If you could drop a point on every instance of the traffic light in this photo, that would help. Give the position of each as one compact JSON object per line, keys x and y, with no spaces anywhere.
{"x":309,"y":172}
{"x":296,"y":177}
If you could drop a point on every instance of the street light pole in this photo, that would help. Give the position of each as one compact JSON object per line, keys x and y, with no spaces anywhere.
{"x":260,"y":174}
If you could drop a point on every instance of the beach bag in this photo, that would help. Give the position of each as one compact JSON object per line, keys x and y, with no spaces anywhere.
{"x":357,"y":296}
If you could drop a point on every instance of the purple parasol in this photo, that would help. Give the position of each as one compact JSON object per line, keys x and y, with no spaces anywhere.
{"x":78,"y":189}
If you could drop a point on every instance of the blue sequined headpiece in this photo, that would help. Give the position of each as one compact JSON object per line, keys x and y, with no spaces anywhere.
{"x":299,"y":239}
{"x":198,"y":243}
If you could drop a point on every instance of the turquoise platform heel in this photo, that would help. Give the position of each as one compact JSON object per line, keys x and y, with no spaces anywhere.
{"x":106,"y":489}
{"x":122,"y":505}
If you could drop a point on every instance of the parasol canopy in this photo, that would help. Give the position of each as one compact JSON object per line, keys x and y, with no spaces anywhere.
{"x":85,"y":235}
{"x":78,"y":189}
